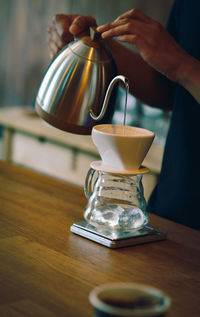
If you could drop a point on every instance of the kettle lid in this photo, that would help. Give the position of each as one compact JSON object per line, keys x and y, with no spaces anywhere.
{"x":91,"y":48}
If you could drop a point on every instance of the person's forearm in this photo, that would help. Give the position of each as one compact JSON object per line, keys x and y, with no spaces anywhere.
{"x":150,"y":86}
{"x":146,"y":84}
{"x":188,"y":75}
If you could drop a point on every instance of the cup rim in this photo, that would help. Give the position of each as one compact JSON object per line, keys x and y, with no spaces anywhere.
{"x":146,"y":133}
{"x":149,"y":290}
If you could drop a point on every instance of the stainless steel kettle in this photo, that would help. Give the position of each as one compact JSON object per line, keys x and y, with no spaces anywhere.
{"x":78,"y":85}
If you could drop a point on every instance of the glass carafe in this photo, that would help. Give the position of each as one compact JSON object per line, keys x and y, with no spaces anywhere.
{"x":115,"y":201}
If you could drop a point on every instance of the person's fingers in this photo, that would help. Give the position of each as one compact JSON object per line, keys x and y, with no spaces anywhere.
{"x":63,"y":29}
{"x":135,"y":14}
{"x":63,"y":22}
{"x":129,"y":38}
{"x":81,"y":23}
{"x":53,"y":48}
{"x":121,"y":27}
{"x":69,"y":25}
{"x":51,"y":54}
{"x":132,"y":15}
{"x":54,"y":36}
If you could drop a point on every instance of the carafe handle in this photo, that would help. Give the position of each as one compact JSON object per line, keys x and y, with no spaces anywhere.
{"x":88,"y":182}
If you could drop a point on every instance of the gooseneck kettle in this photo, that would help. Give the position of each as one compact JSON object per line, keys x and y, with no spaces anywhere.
{"x":78,"y":89}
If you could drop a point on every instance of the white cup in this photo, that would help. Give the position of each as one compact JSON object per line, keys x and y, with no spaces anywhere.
{"x":128,"y":299}
{"x":122,"y":147}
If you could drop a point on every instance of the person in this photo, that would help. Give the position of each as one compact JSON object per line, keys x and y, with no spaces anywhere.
{"x":164,"y":72}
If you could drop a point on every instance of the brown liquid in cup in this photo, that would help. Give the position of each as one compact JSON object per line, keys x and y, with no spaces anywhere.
{"x":140,"y":303}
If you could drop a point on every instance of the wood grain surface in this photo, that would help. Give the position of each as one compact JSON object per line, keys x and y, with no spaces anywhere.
{"x":45,"y":270}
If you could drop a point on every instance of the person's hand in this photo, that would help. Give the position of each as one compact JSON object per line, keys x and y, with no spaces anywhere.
{"x":156,"y":46}
{"x":64,"y":28}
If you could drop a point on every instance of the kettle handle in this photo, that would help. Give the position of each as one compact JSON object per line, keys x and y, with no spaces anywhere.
{"x":107,"y":96}
{"x":88,"y":182}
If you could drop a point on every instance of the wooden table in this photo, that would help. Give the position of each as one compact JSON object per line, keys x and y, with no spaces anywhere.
{"x":45,"y":270}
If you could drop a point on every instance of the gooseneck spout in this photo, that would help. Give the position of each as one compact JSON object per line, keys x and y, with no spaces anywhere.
{"x":107,"y":96}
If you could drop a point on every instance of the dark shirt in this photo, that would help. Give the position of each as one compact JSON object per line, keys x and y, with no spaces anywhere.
{"x":177,"y":194}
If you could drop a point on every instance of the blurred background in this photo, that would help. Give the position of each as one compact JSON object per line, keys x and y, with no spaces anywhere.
{"x":23,"y":61}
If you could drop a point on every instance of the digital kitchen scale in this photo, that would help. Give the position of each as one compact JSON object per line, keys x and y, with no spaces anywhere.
{"x":117,"y":239}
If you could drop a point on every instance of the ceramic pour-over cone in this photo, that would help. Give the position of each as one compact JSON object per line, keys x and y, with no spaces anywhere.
{"x":122,"y":148}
